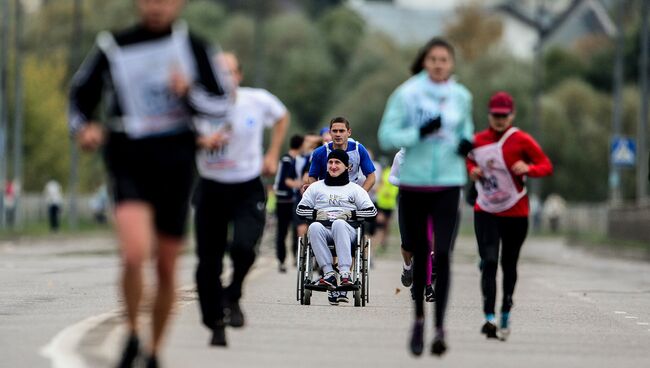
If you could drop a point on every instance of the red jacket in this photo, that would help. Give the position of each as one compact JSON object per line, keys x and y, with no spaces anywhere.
{"x":519,"y":146}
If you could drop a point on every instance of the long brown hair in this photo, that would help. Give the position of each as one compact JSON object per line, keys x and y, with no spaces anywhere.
{"x":418,"y":63}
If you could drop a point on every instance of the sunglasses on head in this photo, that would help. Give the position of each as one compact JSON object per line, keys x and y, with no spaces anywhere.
{"x":499,"y":116}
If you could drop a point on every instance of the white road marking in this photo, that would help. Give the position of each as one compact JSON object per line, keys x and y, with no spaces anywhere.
{"x":643,"y":323}
{"x":631,"y":317}
{"x":619,"y":312}
{"x":61,"y":350}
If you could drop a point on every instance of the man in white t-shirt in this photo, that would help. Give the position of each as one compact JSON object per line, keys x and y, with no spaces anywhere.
{"x":231,"y":195}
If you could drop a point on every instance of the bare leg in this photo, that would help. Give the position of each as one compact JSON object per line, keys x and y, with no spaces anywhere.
{"x":301,"y":229}
{"x":133,"y":221}
{"x":168,"y":250}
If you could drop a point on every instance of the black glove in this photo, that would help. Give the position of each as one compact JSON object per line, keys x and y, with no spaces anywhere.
{"x":464,"y":147}
{"x":430,"y":126}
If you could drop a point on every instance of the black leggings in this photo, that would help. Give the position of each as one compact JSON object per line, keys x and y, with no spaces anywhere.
{"x":240,"y":207}
{"x":284,"y":212}
{"x":511,"y":233}
{"x":442,"y":207}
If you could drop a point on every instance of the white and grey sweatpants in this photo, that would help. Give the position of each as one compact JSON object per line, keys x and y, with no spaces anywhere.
{"x":342,"y":234}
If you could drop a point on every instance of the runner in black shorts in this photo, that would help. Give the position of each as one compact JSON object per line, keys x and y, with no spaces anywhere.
{"x":153,"y":78}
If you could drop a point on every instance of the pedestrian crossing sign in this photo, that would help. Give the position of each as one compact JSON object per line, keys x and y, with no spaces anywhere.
{"x":623,"y":151}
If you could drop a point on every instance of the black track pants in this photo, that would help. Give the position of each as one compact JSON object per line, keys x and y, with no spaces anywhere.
{"x":510,"y":233}
{"x":284,"y":211}
{"x":220,"y":208}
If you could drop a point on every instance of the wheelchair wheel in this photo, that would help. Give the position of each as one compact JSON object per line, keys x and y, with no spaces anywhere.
{"x":357,"y":298}
{"x":366,"y":273}
{"x":306,"y":298}
{"x":300,"y":266}
{"x":307,"y":274}
{"x":358,"y":276}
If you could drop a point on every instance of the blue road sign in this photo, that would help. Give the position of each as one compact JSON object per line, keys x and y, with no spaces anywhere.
{"x":623,"y":151}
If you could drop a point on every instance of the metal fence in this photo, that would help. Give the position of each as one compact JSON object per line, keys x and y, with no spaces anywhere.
{"x":32,"y":208}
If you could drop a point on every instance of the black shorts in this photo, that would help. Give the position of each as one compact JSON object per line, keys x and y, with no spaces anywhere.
{"x":388,"y":213}
{"x":371,"y":225}
{"x":297,"y":220}
{"x":158,"y":171}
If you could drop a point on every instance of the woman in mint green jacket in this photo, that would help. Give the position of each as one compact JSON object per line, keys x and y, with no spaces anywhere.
{"x":430,"y":116}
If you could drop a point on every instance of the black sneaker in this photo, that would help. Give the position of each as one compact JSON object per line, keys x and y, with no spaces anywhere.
{"x":438,"y":347}
{"x":218,"y":335}
{"x":407,"y":276}
{"x":489,"y":329}
{"x":235,"y":317}
{"x":152,"y":362}
{"x":282,"y":268}
{"x":343,"y":297}
{"x":329,"y":281}
{"x":417,"y":338}
{"x":429,"y":294}
{"x":333,"y":297}
{"x":130,"y":352}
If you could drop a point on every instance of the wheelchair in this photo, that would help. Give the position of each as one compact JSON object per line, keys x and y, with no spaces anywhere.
{"x":308,"y":277}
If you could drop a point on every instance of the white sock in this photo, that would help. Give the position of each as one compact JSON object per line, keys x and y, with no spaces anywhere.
{"x":407,"y":267}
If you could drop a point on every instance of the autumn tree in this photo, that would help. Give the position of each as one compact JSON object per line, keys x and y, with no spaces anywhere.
{"x":474,"y":31}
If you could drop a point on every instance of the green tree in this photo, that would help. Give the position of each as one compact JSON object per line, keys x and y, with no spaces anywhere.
{"x":375,"y":52}
{"x":560,"y":63}
{"x":316,"y":7}
{"x":342,"y":29}
{"x":46,"y":152}
{"x":364,"y":105}
{"x":474,"y":32}
{"x":49,"y":30}
{"x":238,"y":36}
{"x":376,"y":68}
{"x":206,"y":18}
{"x":577,"y":125}
{"x":300,"y":69}
{"x":497,"y":72}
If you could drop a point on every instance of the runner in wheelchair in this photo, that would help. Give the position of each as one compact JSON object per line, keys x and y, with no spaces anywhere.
{"x":334,"y":203}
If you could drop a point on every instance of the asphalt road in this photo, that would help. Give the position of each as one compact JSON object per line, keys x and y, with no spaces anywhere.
{"x":58,"y":308}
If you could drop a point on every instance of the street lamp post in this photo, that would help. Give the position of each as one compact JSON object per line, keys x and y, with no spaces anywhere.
{"x":18,"y":111}
{"x":614,"y":171}
{"x":642,"y":154}
{"x":538,"y":75}
{"x":73,"y":221}
{"x":4,"y":106}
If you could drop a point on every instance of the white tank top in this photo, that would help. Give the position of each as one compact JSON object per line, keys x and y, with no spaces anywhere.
{"x":497,"y":191}
{"x":141,"y":76}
